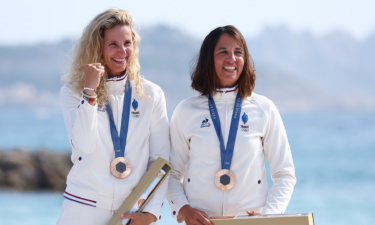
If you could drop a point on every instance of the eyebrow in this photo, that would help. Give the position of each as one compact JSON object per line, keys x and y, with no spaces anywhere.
{"x":226,"y":48}
{"x":117,"y":41}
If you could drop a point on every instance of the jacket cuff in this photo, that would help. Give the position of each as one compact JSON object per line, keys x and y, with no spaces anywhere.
{"x":176,"y":205}
{"x":86,"y":104}
{"x":156,"y":211}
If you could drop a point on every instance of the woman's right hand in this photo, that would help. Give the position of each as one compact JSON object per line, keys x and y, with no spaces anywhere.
{"x":194,"y":216}
{"x":93,"y":73}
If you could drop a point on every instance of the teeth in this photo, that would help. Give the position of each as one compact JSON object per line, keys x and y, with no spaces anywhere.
{"x":229,"y":67}
{"x":119,"y":60}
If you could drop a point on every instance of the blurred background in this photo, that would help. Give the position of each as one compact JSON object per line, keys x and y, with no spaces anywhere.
{"x":314,"y":59}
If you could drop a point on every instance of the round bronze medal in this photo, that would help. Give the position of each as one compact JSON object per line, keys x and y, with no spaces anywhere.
{"x":225,"y":180}
{"x":120,"y":167}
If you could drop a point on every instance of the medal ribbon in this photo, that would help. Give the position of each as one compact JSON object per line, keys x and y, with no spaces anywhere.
{"x":226,"y":154}
{"x":119,"y":143}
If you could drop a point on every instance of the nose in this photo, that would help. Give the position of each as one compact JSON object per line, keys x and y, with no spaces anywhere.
{"x":231,"y":57}
{"x":122,"y":50}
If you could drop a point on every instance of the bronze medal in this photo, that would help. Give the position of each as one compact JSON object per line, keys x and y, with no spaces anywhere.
{"x":225,"y":180}
{"x":120,"y":167}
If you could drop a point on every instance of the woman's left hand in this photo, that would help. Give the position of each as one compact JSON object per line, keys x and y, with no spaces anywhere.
{"x":253,"y":213}
{"x":139,"y":218}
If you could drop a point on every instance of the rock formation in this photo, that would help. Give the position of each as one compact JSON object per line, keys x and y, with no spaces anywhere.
{"x":27,"y":170}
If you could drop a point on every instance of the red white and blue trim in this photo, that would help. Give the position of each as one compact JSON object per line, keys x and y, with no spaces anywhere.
{"x":80,"y":200}
{"x":118,"y":78}
{"x":227,"y":89}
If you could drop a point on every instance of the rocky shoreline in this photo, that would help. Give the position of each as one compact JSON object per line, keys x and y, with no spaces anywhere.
{"x":29,"y":170}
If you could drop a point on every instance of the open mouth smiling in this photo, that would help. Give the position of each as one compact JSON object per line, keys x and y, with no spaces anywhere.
{"x":229,"y":68}
{"x":119,"y":60}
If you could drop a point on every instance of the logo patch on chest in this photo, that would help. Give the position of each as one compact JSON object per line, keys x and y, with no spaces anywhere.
{"x":101,"y":109}
{"x":135,"y":113}
{"x":244,"y":127}
{"x":205,"y":123}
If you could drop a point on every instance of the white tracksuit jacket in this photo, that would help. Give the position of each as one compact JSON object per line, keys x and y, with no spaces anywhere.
{"x":192,"y":182}
{"x":90,"y":181}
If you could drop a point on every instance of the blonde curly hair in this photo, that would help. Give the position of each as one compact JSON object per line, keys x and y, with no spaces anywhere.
{"x":89,"y":50}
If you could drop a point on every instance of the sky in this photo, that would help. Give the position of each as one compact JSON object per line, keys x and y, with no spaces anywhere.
{"x":25,"y":22}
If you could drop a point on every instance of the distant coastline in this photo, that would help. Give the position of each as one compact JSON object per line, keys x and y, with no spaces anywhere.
{"x":24,"y":170}
{"x":298,"y":72}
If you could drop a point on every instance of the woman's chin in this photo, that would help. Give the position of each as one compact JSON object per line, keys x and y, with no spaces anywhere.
{"x":229,"y":83}
{"x":228,"y":80}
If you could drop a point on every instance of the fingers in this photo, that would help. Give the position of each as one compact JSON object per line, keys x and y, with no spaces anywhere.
{"x":194,"y":216}
{"x":127,"y":216}
{"x":95,"y":64}
{"x":253,"y":213}
{"x":204,"y":220}
{"x":93,"y":74}
{"x":204,"y":214}
{"x":139,"y":218}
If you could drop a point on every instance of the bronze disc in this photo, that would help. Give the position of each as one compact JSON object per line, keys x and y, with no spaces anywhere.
{"x":120,"y":167}
{"x":225,"y":180}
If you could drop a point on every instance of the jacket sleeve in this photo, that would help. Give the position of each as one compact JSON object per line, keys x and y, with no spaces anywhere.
{"x":179,"y":157}
{"x":81,"y":121}
{"x":277,"y":150}
{"x":159,"y":147}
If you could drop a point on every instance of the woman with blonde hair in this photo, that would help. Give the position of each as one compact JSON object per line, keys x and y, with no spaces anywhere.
{"x":116,"y":121}
{"x":220,"y":139}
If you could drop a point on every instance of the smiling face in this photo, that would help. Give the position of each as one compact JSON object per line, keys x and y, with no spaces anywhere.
{"x":228,"y":60}
{"x":117,"y":49}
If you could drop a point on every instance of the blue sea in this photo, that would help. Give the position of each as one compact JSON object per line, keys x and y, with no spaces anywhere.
{"x":333,"y":153}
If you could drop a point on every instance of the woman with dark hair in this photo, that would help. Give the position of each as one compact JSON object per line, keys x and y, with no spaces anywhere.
{"x":219,"y":140}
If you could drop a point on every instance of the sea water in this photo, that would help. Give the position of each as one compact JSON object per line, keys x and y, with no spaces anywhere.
{"x":333,"y":153}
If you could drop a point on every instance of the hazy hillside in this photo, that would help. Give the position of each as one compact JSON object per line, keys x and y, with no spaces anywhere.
{"x":297,"y":71}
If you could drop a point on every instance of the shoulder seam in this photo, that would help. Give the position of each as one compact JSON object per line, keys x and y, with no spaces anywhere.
{"x":255,"y":103}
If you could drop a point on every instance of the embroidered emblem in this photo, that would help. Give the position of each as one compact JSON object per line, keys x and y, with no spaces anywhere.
{"x":135,"y":114}
{"x":135,"y":105}
{"x":244,"y":127}
{"x":101,"y":109}
{"x":205,"y":123}
{"x":245,"y":118}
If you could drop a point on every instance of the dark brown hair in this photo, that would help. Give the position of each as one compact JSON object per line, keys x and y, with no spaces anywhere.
{"x":203,"y":75}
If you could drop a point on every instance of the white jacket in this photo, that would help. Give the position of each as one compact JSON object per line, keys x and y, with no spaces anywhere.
{"x":90,"y":181}
{"x":195,"y":155}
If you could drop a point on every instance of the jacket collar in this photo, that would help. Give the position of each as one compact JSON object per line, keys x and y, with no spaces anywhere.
{"x":118,"y":77}
{"x":117,"y":83}
{"x":227,"y":89}
{"x":226,"y":93}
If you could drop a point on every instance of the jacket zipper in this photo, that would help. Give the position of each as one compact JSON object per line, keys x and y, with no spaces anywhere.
{"x":225,"y":135}
{"x":113,"y":198}
{"x":114,"y":180}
